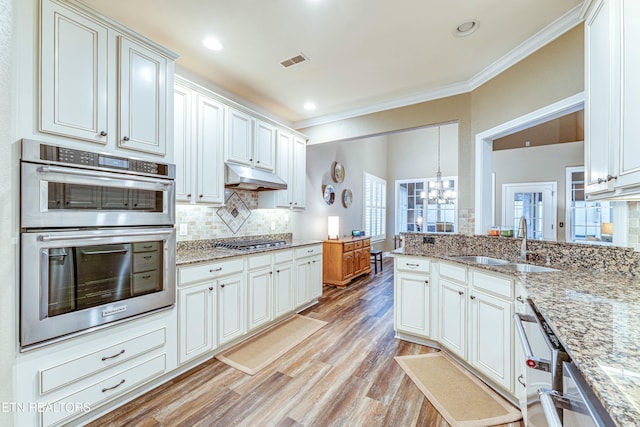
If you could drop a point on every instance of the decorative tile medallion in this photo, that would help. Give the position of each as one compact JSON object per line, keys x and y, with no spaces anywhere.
{"x":234,"y":212}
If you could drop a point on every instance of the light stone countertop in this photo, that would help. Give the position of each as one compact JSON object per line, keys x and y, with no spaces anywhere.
{"x":198,"y":254}
{"x":596,"y":316}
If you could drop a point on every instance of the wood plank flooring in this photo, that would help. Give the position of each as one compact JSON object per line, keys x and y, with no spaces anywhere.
{"x":343,"y":375}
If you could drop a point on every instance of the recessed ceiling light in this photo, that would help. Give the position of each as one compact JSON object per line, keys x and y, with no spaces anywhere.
{"x":212,"y":43}
{"x":309,"y":106}
{"x":466,"y":28}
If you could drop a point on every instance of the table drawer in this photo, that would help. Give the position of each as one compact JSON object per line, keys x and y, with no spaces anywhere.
{"x":108,"y":388}
{"x":348,"y":247}
{"x":67,"y":372}
{"x":308,"y":251}
{"x":454,"y":272}
{"x":493,"y":284}
{"x":210,"y":270}
{"x":413,"y":264}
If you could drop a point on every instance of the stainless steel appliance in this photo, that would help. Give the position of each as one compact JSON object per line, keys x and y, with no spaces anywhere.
{"x":247,"y":245}
{"x":549,"y":373}
{"x":97,"y":240}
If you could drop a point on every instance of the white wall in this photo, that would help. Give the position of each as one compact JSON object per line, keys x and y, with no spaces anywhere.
{"x":8,"y":189}
{"x":532,"y":164}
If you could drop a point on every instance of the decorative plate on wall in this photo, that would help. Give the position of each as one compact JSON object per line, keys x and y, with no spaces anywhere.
{"x":337,"y":172}
{"x":329,"y":194}
{"x":347,"y":197}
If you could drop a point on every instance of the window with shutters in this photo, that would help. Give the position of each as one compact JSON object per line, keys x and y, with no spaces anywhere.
{"x":375,"y":207}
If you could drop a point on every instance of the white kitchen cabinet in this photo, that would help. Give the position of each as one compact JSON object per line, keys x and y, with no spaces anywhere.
{"x":101,"y":83}
{"x":412,"y":299}
{"x":198,"y":145}
{"x":491,"y":337}
{"x":291,"y":158}
{"x":239,"y":139}
{"x":260,"y":291}
{"x":315,"y":278}
{"x":197,"y":320}
{"x":284,"y":291}
{"x":308,"y":276}
{"x":264,"y":149}
{"x":231,"y":308}
{"x":453,"y":316}
{"x":612,"y":74}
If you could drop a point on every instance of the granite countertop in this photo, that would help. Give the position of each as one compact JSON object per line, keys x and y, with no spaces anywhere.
{"x":205,"y":253}
{"x":597,"y":318}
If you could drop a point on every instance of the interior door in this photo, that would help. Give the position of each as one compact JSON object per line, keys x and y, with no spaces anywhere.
{"x":537,"y":202}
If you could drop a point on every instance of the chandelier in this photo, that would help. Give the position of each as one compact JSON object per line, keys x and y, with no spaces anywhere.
{"x":439,"y":191}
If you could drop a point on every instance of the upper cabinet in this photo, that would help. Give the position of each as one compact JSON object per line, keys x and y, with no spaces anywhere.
{"x":250,"y":141}
{"x":101,"y":84}
{"x":612,"y":78}
{"x":291,"y":165}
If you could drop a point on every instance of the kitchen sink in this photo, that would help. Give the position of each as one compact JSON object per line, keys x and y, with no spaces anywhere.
{"x":528,"y":268}
{"x":485,"y":260}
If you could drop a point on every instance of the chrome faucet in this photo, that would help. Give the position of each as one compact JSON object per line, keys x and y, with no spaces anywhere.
{"x":522,"y":234}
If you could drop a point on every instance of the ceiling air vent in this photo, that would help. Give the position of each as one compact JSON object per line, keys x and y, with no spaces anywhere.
{"x":294,"y":60}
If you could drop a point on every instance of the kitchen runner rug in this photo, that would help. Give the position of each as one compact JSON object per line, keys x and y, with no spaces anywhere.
{"x":461,"y":398}
{"x":259,"y":351}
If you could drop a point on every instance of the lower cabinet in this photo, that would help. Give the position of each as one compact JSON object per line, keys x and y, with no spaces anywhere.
{"x":231,"y":306}
{"x":308,"y":280}
{"x":412,"y":299}
{"x":453,"y":316}
{"x":260,"y":293}
{"x":197,"y":315}
{"x":283,"y":289}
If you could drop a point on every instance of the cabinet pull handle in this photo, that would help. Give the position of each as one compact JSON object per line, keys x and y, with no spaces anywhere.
{"x":271,"y":272}
{"x":215,"y":270}
{"x":521,"y":380}
{"x":426,"y":281}
{"x":222,"y":285}
{"x":103,"y":133}
{"x":105,"y":358}
{"x":188,"y":196}
{"x":258,"y":161}
{"x":210,"y":288}
{"x":310,"y":251}
{"x":147,"y":257}
{"x":106,"y":389}
{"x":611,"y":178}
{"x":601,"y":180}
{"x":520,"y":299}
{"x":412,"y":265}
{"x":251,"y":160}
{"x":148,"y":276}
{"x":277,"y":271}
{"x":472,"y":297}
{"x":460,"y":293}
{"x":126,"y":138}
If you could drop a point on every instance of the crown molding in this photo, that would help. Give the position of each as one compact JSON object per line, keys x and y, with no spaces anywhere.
{"x":549,"y":33}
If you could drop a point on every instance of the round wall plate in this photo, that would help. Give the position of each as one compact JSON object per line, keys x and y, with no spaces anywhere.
{"x":347,"y":197}
{"x":329,"y":194}
{"x":337,"y":172}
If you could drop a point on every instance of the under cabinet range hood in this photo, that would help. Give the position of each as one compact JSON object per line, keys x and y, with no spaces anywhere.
{"x":246,"y":178}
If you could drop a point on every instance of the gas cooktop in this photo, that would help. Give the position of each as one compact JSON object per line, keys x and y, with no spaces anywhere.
{"x":248,"y":245}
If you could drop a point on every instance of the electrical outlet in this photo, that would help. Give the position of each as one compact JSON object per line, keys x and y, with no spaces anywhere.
{"x":184,"y":229}
{"x":273,"y":225}
{"x":429,"y":239}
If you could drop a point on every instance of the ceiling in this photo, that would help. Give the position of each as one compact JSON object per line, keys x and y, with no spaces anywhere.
{"x":364,"y":55}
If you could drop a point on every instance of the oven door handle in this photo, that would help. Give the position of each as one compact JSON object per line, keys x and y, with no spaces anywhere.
{"x":531,"y":360}
{"x":80,"y":236}
{"x":159,"y":184}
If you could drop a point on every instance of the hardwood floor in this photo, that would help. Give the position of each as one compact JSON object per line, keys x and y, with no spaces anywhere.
{"x":343,"y":375}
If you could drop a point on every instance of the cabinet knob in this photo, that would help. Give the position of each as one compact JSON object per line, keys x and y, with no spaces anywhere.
{"x":460,"y":293}
{"x":520,"y":299}
{"x":277,"y":271}
{"x":258,"y":161}
{"x":188,"y":196}
{"x":222,"y":285}
{"x":426,"y":281}
{"x":103,"y":133}
{"x":126,"y":138}
{"x":521,"y":380}
{"x":472,"y":297}
{"x":201,"y":196}
{"x":251,"y":160}
{"x":210,"y":288}
{"x":271,"y":272}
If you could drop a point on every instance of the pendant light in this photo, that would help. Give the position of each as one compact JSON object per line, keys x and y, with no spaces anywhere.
{"x":437,"y":192}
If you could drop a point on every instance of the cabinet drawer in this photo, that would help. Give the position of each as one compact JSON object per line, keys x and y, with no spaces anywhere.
{"x":348,"y":247}
{"x":493,"y":284}
{"x":145,"y":261}
{"x":282,"y":256}
{"x":413,"y":264}
{"x":89,"y":364}
{"x":454,"y":272}
{"x":308,"y":251}
{"x":210,"y":271}
{"x":108,"y":388}
{"x":144,"y":282}
{"x":366,"y":243}
{"x":259,"y":261}
{"x":358,"y":244}
{"x":145,"y":246}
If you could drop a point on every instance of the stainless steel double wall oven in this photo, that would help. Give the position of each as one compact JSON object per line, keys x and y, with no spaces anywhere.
{"x":97,"y":240}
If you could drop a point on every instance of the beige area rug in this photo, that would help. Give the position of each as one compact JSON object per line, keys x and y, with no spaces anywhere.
{"x":461,"y":398}
{"x":259,"y":351}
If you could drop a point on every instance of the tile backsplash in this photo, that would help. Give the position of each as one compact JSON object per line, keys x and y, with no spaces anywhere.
{"x":203,"y":222}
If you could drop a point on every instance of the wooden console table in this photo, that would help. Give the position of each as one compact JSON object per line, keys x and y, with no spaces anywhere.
{"x":345,"y":259}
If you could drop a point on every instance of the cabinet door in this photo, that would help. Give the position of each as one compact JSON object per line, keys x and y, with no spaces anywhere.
{"x":315,"y":278}
{"x":283,"y":289}
{"x":303,"y":268}
{"x":264,"y":149}
{"x":365,"y":259}
{"x":299,"y":173}
{"x":73,"y":75}
{"x":412,"y":303}
{"x":598,"y":102}
{"x":628,"y":153}
{"x":210,"y":165}
{"x":453,"y":316}
{"x":284,"y":168}
{"x":348,"y":265}
{"x":239,"y":138}
{"x":182,"y":106}
{"x":196,"y":305}
{"x":358,"y":261}
{"x":230,"y":308}
{"x":491,"y":350}
{"x":142,"y":98}
{"x":260,"y":292}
